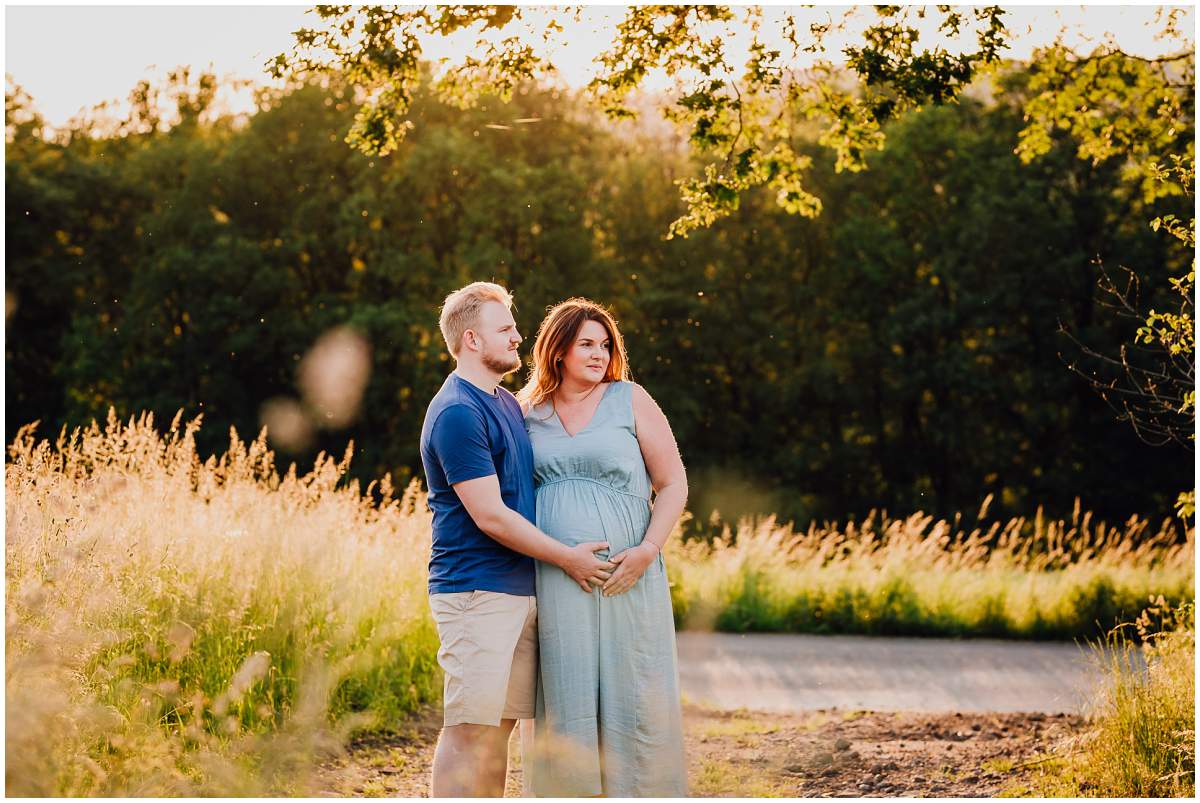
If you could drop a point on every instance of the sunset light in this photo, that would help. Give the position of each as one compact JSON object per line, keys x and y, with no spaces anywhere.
{"x":656,"y":401}
{"x":95,"y":54}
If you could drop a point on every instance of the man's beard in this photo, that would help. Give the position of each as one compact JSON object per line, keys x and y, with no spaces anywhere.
{"x":505,"y":364}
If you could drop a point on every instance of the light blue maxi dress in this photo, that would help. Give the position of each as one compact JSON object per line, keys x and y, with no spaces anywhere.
{"x":608,"y":714}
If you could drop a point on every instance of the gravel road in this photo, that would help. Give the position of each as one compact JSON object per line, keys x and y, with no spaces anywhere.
{"x":791,"y":673}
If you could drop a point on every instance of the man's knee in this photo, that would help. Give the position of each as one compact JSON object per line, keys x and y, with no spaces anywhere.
{"x":465,"y":734}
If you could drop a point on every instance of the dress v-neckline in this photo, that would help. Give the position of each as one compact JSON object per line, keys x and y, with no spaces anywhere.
{"x":595,"y":412}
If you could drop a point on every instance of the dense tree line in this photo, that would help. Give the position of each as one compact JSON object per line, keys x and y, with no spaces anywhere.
{"x":900,"y":350}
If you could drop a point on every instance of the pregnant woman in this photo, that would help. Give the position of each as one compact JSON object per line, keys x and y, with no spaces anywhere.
{"x":608,"y":715}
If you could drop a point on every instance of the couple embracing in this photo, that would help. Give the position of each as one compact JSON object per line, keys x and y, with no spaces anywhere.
{"x":546,"y":578}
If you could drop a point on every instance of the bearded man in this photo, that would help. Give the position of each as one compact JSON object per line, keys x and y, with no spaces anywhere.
{"x":479,"y":471}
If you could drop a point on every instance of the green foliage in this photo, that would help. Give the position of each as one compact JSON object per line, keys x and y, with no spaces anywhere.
{"x":1185,"y":505}
{"x":1139,"y":113}
{"x":1175,"y":332}
{"x":1114,"y":105}
{"x":812,"y":367}
{"x":744,"y":120}
{"x":378,"y":48}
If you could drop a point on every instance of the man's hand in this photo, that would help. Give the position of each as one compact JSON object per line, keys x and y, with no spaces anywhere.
{"x":481,"y":498}
{"x":582,"y":565}
{"x":632,"y":564}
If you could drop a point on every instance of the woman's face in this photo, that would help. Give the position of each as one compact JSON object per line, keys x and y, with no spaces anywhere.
{"x":586,"y":361}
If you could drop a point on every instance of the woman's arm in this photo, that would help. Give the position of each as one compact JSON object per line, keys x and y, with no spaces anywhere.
{"x":667,"y":475}
{"x":664,"y":465}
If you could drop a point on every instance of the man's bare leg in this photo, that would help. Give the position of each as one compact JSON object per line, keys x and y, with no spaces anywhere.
{"x":495,"y":764}
{"x":526,"y":757}
{"x":471,"y":760}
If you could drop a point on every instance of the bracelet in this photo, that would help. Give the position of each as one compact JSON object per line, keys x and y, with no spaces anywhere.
{"x":657,"y":548}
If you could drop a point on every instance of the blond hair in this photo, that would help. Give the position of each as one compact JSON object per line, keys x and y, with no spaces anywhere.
{"x":460,"y":310}
{"x":555,"y":337}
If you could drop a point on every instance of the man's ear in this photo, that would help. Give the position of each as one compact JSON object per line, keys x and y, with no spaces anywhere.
{"x":470,"y":339}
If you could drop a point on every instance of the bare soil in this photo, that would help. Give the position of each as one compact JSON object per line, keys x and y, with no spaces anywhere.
{"x":751,"y":754}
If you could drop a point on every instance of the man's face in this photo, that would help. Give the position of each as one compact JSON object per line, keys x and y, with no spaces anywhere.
{"x":497,"y":338}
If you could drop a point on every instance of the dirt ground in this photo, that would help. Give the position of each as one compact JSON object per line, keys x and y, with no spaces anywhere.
{"x":750,"y":754}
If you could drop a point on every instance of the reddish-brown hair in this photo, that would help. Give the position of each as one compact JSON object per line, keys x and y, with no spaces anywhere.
{"x":556,"y":334}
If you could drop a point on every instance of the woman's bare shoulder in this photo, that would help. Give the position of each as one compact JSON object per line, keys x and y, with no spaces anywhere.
{"x":640,"y":395}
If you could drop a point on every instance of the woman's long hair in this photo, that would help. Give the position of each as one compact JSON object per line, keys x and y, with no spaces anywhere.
{"x":556,"y":335}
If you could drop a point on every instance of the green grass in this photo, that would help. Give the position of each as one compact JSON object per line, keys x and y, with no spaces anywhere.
{"x":1141,"y":737}
{"x":185,"y":627}
{"x":719,"y":778}
{"x":918,"y":577}
{"x":999,"y":765}
{"x":739,"y":726}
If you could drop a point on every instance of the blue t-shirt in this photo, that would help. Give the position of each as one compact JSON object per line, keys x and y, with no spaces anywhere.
{"x":470,"y":434}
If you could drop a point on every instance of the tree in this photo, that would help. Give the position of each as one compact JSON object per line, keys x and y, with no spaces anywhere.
{"x":741,"y":120}
{"x":1138,"y":113}
{"x":811,"y":367}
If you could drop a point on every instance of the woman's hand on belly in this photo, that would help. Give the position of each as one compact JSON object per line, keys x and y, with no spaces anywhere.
{"x":631,"y":565}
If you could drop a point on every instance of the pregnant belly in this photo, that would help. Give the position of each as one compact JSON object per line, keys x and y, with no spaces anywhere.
{"x":574,"y":512}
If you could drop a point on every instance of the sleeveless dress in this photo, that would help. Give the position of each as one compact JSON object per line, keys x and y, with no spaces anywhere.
{"x":608,"y":717}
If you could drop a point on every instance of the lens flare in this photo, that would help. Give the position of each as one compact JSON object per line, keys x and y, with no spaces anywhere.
{"x":334,"y":374}
{"x":288,"y":428}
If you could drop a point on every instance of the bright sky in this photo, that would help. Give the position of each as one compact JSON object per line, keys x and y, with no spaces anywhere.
{"x":69,"y":58}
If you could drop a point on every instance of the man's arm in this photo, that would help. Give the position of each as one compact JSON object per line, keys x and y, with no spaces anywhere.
{"x":481,"y":497}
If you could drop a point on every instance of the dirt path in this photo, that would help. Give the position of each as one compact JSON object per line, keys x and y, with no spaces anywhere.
{"x":755,"y":754}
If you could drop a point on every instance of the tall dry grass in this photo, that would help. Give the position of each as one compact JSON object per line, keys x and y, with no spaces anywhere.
{"x":178,"y":627}
{"x":1141,"y":738}
{"x":916,"y":576}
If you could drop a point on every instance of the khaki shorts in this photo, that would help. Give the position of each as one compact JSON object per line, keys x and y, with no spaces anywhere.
{"x":488,"y":654}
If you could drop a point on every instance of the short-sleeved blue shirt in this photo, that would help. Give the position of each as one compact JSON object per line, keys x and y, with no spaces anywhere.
{"x":470,"y":434}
